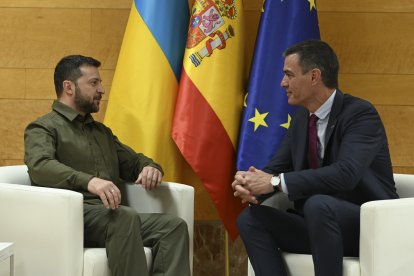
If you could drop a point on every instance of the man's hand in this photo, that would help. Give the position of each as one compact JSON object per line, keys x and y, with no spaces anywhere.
{"x":107,"y":191}
{"x":245,"y":195}
{"x":149,"y":178}
{"x":250,"y":183}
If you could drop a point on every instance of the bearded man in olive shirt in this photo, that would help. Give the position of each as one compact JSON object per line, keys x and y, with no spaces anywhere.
{"x":67,"y":149}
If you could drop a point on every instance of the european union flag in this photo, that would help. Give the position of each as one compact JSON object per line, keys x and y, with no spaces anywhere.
{"x":266,"y":116}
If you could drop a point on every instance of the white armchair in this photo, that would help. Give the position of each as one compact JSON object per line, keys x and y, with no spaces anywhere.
{"x":46,"y":225}
{"x":386,"y":238}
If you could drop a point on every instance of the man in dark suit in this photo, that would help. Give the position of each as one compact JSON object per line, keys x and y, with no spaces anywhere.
{"x":334,"y":158}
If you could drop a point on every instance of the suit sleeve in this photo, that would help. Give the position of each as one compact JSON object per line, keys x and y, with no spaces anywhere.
{"x":282,"y":160}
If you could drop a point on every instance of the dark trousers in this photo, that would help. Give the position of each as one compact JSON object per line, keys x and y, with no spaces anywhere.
{"x":328,"y":229}
{"x":124,"y":233}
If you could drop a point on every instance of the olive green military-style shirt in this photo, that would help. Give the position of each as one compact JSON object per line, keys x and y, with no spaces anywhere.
{"x":64,"y":149}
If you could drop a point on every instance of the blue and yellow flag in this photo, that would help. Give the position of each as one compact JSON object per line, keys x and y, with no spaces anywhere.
{"x":145,"y":85}
{"x":266,"y":116}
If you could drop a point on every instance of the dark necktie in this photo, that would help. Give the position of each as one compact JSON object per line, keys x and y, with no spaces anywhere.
{"x":313,"y":142}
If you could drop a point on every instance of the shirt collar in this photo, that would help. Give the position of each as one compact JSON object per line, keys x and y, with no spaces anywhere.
{"x":323,"y":111}
{"x":70,"y":113}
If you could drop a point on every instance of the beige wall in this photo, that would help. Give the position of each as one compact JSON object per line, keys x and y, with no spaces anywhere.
{"x":34,"y":35}
{"x":373,"y":38}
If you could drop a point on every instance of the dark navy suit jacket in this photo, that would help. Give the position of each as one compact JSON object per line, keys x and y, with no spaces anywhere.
{"x":357,"y":164}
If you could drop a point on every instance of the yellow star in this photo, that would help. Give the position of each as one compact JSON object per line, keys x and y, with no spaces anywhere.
{"x":245,"y":100}
{"x":258,"y":119}
{"x":312,"y":4}
{"x":287,"y":124}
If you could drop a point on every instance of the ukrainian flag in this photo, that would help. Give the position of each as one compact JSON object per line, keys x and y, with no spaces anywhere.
{"x":144,"y":89}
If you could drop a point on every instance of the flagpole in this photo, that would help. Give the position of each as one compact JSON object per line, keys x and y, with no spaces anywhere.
{"x":226,"y":252}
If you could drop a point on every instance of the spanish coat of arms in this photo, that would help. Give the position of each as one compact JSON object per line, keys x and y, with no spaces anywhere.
{"x":207,"y":17}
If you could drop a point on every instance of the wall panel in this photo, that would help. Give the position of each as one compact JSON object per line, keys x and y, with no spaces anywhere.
{"x":77,"y":4}
{"x":37,"y":38}
{"x":12,"y":83}
{"x":13,"y":27}
{"x":366,"y":6}
{"x":380,"y":43}
{"x":401,"y":6}
{"x":106,"y":37}
{"x":399,"y":125}
{"x":380,"y":89}
{"x":40,"y":84}
{"x":16,"y":114}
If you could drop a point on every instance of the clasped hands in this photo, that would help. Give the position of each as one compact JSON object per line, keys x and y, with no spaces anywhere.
{"x":109,"y":193}
{"x":247,"y":185}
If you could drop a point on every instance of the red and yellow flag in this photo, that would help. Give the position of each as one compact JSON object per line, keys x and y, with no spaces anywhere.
{"x":210,"y":99}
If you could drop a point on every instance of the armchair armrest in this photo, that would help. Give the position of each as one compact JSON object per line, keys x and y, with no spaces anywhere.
{"x":386,"y":241}
{"x":278,"y":201}
{"x":46,"y":226}
{"x":168,"y":197}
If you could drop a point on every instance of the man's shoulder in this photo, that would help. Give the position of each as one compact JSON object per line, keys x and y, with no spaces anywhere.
{"x":49,"y":119}
{"x":355,"y":107}
{"x":353,"y":101}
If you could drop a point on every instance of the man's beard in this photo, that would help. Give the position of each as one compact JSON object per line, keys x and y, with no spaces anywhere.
{"x":83,"y":104}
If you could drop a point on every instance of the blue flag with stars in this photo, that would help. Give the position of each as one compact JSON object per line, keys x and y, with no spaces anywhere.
{"x":267,"y":115}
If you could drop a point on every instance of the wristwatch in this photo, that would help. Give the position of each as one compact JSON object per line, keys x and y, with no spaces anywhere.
{"x":275,"y":181}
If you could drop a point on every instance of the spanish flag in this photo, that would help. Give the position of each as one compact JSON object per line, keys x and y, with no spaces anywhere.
{"x":210,"y":99}
{"x":145,"y":85}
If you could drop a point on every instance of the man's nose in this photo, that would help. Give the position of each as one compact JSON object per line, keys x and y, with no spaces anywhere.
{"x":101,"y":89}
{"x":283,"y":83}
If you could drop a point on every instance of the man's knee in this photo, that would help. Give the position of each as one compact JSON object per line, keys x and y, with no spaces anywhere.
{"x":173,"y":224}
{"x":243,"y":219}
{"x":125,"y":221}
{"x":181,"y":223}
{"x":318,"y":203}
{"x":319,"y":210}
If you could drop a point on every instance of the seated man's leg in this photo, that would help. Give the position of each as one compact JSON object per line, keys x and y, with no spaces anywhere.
{"x":333,"y":226}
{"x":265,"y":229}
{"x":119,"y":231}
{"x":168,"y":237}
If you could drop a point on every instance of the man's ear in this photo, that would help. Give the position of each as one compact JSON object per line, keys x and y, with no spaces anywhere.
{"x":68,"y":87}
{"x":316,"y":75}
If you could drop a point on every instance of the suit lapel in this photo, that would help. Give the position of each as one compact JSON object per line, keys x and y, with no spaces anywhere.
{"x":335,"y":110}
